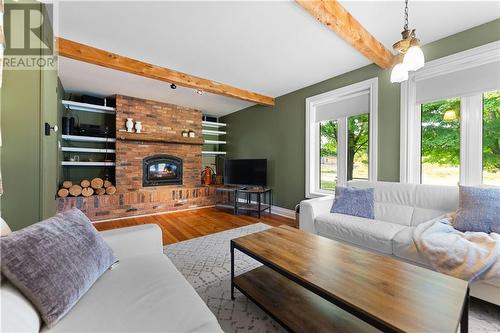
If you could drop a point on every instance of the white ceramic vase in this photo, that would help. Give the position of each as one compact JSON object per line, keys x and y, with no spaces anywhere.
{"x":138,"y":127}
{"x":130,"y":125}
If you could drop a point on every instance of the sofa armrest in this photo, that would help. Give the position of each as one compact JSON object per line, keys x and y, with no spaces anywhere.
{"x":311,"y":208}
{"x":134,"y":241}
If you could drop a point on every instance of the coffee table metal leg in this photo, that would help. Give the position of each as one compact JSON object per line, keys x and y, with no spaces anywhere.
{"x":232,"y":270}
{"x":464,"y":322}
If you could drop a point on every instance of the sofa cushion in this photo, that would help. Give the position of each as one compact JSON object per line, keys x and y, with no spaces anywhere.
{"x":54,"y":262}
{"x":479,"y":210}
{"x":17,"y":313}
{"x":142,"y":294}
{"x":354,"y":201}
{"x":432,"y":201}
{"x":410,"y":204}
{"x":373,"y":234}
{"x":393,"y":201}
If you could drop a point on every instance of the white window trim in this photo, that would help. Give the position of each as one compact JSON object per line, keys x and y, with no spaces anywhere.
{"x":312,"y":141}
{"x":471,"y":143}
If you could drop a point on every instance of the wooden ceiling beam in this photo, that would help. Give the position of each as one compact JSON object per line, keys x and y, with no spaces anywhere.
{"x":337,"y":18}
{"x":92,"y":55}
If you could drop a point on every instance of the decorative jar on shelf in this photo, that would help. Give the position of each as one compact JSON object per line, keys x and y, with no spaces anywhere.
{"x":130,"y":125}
{"x":138,"y":126}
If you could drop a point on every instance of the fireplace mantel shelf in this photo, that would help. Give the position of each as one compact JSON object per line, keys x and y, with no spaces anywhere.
{"x":145,"y":137}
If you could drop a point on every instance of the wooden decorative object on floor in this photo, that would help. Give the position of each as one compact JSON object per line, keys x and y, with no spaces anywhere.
{"x":100,"y":191}
{"x":67,"y":184}
{"x":107,"y":184}
{"x":111,"y":190}
{"x":96,"y":183}
{"x":85,"y":183}
{"x":63,"y":193}
{"x":75,"y":190}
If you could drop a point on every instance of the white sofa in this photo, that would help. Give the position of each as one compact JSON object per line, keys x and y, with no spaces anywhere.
{"x":144,"y":293}
{"x":399,"y":208}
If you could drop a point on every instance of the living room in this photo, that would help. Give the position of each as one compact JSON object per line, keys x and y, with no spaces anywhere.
{"x":247,"y":166}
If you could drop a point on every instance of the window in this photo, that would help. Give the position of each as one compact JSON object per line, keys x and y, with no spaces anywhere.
{"x":491,"y":138}
{"x":328,"y":155}
{"x":450,"y":120}
{"x":440,"y":142}
{"x":340,"y":137}
{"x":357,"y":145}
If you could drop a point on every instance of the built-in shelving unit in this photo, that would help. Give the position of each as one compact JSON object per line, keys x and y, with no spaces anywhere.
{"x":96,"y":145}
{"x":211,"y":131}
{"x":77,"y":163}
{"x":213,"y":152}
{"x":77,"y":106}
{"x":214,"y":142}
{"x":205,"y":131}
{"x":82,"y":138}
{"x":88,"y":150}
{"x":212,"y":124}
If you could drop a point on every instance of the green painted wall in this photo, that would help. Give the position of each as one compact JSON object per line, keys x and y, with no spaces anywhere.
{"x":278,"y":133}
{"x":29,"y":158}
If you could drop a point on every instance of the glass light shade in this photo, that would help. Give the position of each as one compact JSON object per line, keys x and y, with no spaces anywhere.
{"x":399,"y":73}
{"x":450,"y":115}
{"x":414,"y":58}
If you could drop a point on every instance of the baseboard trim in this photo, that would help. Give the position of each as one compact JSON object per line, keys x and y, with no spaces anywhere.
{"x":284,"y":212}
{"x":151,"y":214}
{"x":276,"y":210}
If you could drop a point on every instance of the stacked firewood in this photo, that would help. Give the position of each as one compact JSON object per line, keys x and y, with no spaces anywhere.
{"x":86,"y":188}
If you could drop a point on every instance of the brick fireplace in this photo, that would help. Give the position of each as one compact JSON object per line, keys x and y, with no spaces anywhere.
{"x":161,"y":136}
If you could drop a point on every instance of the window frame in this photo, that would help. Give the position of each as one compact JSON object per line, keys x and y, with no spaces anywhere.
{"x":471,"y":114}
{"x":312,"y":155}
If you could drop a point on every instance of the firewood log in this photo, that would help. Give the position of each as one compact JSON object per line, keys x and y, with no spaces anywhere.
{"x":67,"y":184}
{"x":111,"y":190}
{"x":85,"y":183}
{"x":100,"y":191}
{"x":87,"y":191}
{"x":107,"y":183}
{"x":75,"y":190}
{"x":96,"y":183}
{"x":63,"y":193}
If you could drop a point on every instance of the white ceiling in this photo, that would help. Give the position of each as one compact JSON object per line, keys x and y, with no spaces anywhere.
{"x":272,"y":48}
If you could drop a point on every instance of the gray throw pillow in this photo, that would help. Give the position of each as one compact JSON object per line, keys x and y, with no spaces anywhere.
{"x":354,"y":201}
{"x":479,"y":210}
{"x":54,"y":262}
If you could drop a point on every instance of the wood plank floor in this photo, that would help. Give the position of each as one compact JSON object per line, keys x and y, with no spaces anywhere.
{"x":180,"y":226}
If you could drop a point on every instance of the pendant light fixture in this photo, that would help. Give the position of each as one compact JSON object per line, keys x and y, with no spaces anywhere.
{"x":410,"y":57}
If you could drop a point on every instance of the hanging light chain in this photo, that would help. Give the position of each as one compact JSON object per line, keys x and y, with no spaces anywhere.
{"x":406,"y":15}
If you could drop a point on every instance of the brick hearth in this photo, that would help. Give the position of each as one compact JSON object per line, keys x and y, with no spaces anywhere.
{"x":165,"y":123}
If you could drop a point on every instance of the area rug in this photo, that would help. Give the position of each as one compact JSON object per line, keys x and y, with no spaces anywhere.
{"x":206,"y":263}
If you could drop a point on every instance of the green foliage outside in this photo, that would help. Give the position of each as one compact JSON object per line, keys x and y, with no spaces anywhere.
{"x":441,"y":138}
{"x":357,"y":164}
{"x":440,"y":143}
{"x":491,"y":132}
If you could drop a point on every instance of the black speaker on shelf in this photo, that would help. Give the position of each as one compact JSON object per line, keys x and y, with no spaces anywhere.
{"x":68,"y":125}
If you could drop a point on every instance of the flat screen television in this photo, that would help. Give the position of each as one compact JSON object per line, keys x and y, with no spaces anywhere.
{"x":245,"y":172}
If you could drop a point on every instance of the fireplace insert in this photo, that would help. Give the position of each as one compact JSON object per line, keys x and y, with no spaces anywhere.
{"x":161,"y":170}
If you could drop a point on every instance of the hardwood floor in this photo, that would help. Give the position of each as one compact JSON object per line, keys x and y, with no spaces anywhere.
{"x":180,"y":226}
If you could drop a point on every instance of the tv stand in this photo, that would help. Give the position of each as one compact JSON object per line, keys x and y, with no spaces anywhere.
{"x":245,"y":198}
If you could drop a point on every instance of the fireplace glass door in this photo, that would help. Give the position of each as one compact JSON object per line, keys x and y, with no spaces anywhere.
{"x":162,"y":170}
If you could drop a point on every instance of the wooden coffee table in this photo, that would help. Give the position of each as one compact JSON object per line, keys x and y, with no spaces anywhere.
{"x":310,"y":283}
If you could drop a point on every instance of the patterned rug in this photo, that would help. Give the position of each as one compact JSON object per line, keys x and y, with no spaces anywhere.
{"x":206,"y":263}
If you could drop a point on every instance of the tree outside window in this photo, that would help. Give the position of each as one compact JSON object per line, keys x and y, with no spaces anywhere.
{"x":491,"y":138}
